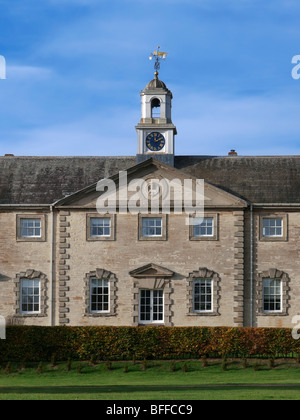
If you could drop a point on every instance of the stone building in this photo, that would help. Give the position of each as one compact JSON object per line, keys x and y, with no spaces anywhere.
{"x":63,"y":263}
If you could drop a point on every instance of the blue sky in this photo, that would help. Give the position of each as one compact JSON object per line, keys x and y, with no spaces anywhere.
{"x":75,"y":69}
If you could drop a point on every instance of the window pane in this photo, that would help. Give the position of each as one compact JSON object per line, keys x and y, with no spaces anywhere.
{"x":203,"y":227}
{"x":99,"y":290}
{"x":152,"y":226}
{"x":30,"y":295}
{"x":272,"y":295}
{"x":157,"y":305}
{"x":145,"y":305}
{"x":100,"y":226}
{"x":30,"y":228}
{"x":273,"y":227}
{"x":202,"y":295}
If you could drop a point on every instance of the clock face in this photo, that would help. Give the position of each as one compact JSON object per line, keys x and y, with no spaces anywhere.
{"x":155,"y":141}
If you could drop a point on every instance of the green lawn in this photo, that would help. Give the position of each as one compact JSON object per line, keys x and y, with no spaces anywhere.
{"x":157,"y":382}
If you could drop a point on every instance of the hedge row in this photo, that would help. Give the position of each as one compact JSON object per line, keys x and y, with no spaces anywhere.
{"x":29,"y":343}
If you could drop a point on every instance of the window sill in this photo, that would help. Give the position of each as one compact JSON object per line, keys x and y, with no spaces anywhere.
{"x":31,"y":239}
{"x":34,"y":315}
{"x":203,"y":314}
{"x":203,"y":238}
{"x":99,"y":238}
{"x":273,"y":239}
{"x":152,"y":238}
{"x":99,"y":315}
{"x":272,"y":314}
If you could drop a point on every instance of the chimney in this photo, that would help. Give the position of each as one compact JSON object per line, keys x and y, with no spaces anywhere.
{"x":232,"y":153}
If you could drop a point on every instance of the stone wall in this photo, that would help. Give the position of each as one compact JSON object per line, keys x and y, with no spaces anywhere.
{"x":21,"y":259}
{"x":226,"y":260}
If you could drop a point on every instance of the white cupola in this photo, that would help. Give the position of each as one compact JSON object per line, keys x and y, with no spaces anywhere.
{"x":155,"y":130}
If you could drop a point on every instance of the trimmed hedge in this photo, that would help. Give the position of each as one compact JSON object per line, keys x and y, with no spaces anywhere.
{"x":35,"y":344}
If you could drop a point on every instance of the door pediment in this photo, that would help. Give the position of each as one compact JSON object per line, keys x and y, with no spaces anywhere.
{"x":151,"y":270}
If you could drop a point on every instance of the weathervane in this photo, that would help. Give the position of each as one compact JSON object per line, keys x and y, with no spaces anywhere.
{"x":158,"y":55}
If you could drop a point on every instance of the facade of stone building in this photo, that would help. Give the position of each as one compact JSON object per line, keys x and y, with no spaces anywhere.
{"x":64,"y":263}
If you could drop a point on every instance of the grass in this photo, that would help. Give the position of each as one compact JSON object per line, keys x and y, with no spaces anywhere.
{"x":160,"y":380}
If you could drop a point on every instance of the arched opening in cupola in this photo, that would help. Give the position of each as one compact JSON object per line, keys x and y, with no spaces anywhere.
{"x":155,"y":108}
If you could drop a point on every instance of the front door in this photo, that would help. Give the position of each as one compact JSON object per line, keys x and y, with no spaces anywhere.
{"x":151,"y":306}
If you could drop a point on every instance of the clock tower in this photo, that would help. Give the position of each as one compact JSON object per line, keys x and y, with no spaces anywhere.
{"x":156,"y":131}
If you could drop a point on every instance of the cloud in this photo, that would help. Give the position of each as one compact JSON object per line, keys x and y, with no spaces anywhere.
{"x":75,"y":2}
{"x":83,"y":68}
{"x":97,"y":37}
{"x":259,"y":124}
{"x":207,"y":124}
{"x":20,"y":72}
{"x":90,"y":135}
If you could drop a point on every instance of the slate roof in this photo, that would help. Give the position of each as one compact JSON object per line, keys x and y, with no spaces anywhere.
{"x":43,"y":180}
{"x":257,"y":179}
